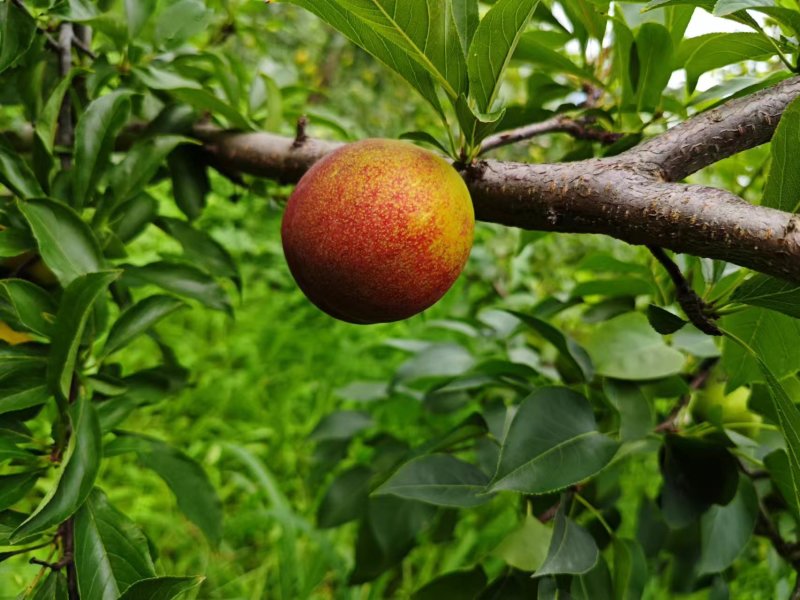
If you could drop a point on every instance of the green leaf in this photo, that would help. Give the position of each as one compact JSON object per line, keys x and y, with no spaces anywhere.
{"x":493,"y":46}
{"x":630,"y":569}
{"x":65,"y":242}
{"x":183,"y":280}
{"x":17,"y":30}
{"x":190,"y":184}
{"x":772,"y":335}
{"x":18,"y":396}
{"x":346,"y":498}
{"x":111,"y":552}
{"x":458,"y":585}
{"x":466,"y":17}
{"x":727,"y":7}
{"x":76,"y":476}
{"x":205,"y":100}
{"x":715,"y":50}
{"x":552,"y":443}
{"x":14,"y":242}
{"x":141,"y":162}
{"x":161,"y":588}
{"x":424,"y":137}
{"x":780,"y":471}
{"x":14,"y":488}
{"x":341,"y":425}
{"x":572,"y":550}
{"x":438,"y":479}
{"x":76,"y":305}
{"x":16,"y":175}
{"x":393,"y":56}
{"x":437,"y":360}
{"x":782,"y":190}
{"x":179,"y":21}
{"x":137,"y":13}
{"x":627,"y":348}
{"x":636,"y":414}
{"x":526,"y":547}
{"x":194,"y":493}
{"x":573,"y":353}
{"x":53,"y":587}
{"x":663,"y":321}
{"x":726,"y":530}
{"x":26,"y":305}
{"x":201,"y":249}
{"x":532,"y":49}
{"x":138,"y":318}
{"x":130,"y":218}
{"x":47,"y":122}
{"x":654,"y":48}
{"x":769,"y":292}
{"x":94,"y":140}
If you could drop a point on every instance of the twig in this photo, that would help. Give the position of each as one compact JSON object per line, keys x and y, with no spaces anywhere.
{"x":301,"y":137}
{"x":65,"y":133}
{"x":696,"y":309}
{"x":578,"y":128}
{"x":50,"y":40}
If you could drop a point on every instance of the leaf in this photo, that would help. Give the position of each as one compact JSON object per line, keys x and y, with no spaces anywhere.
{"x":20,"y":396}
{"x":567,"y":347}
{"x":53,"y":587}
{"x":76,"y":305}
{"x":141,"y":162}
{"x":190,"y":184}
{"x":16,"y":175}
{"x":526,"y":547}
{"x":532,"y":49}
{"x":393,"y":56}
{"x":627,"y":348}
{"x":726,"y":530}
{"x":771,"y":335}
{"x":727,"y":7}
{"x":183,"y":280}
{"x":552,"y":443}
{"x":205,"y":100}
{"x":458,"y":585}
{"x":346,"y":498}
{"x":65,"y":242}
{"x":341,"y":425}
{"x":437,"y":360}
{"x":636,"y":414}
{"x":770,"y":292}
{"x":424,"y":137}
{"x":201,"y":249}
{"x":14,"y":488}
{"x":466,"y":17}
{"x":780,"y":471}
{"x":161,"y":588}
{"x":130,"y":218}
{"x":782,"y":190}
{"x":438,"y":479}
{"x":363,"y":391}
{"x":654,"y":48}
{"x":14,"y":242}
{"x":194,"y":493}
{"x":17,"y":30}
{"x":179,"y":21}
{"x":137,"y":319}
{"x":663,"y":321}
{"x":493,"y":46}
{"x":47,"y":121}
{"x":715,"y":50}
{"x":572,"y":549}
{"x":111,"y":552}
{"x":630,"y":569}
{"x":77,"y":473}
{"x":94,"y":140}
{"x":27,"y":305}
{"x":137,"y":13}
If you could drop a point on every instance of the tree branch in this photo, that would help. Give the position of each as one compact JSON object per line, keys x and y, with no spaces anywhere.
{"x":629,"y":196}
{"x":578,"y":128}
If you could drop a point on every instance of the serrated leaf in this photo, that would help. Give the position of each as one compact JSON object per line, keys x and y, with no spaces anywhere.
{"x":67,"y":244}
{"x":183,"y":280}
{"x":438,"y":479}
{"x":111,"y":552}
{"x":770,"y":292}
{"x":552,"y":443}
{"x":161,"y":588}
{"x":782,"y":190}
{"x":74,"y":309}
{"x":94,"y":140}
{"x":493,"y":46}
{"x":572,"y":549}
{"x":78,"y":471}
{"x":138,"y":318}
{"x":726,"y":7}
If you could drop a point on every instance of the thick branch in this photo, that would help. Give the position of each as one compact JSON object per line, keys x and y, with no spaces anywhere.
{"x":628,"y":196}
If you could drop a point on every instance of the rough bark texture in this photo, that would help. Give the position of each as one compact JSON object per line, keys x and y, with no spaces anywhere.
{"x":631,"y":197}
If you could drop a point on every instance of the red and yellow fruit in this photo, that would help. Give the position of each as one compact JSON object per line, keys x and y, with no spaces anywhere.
{"x":378,"y":231}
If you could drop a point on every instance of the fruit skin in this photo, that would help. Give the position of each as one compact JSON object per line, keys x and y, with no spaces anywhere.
{"x":378,"y":231}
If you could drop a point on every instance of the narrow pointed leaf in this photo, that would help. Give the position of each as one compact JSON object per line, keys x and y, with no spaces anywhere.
{"x":137,"y":319}
{"x":161,"y":588}
{"x":17,"y":176}
{"x":27,"y":305}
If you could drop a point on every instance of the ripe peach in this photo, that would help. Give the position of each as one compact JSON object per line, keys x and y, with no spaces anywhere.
{"x":378,"y":231}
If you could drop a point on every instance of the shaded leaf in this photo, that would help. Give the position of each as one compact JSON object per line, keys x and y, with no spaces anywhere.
{"x":527,"y":546}
{"x":161,"y":588}
{"x":782,"y":190}
{"x":770,"y":292}
{"x":183,"y":280}
{"x":138,"y":318}
{"x":569,"y":349}
{"x":15,"y":174}
{"x":572,"y":549}
{"x":27,"y":305}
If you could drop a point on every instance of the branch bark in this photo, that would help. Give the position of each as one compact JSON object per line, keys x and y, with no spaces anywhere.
{"x":631,"y":196}
{"x":580,"y":129}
